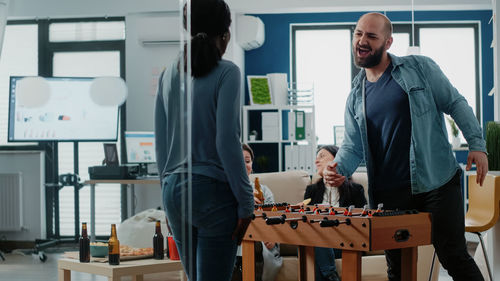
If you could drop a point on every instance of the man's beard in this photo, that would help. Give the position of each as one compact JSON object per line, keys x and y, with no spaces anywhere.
{"x":370,"y":60}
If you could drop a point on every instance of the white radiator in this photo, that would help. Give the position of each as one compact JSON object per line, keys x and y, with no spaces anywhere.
{"x":11,"y":202}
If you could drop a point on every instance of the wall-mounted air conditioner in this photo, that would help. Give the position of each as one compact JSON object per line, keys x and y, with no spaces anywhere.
{"x":250,"y":32}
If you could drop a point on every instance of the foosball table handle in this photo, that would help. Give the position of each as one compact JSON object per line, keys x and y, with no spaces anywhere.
{"x":276,"y":220}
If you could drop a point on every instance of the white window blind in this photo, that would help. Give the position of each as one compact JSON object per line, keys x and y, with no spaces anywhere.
{"x":86,"y":31}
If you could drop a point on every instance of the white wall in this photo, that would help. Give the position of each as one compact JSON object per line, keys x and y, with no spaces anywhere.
{"x":32,"y":166}
{"x":144,"y":64}
{"x":236,"y":54}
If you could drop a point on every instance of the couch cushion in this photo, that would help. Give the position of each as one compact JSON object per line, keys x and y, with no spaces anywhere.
{"x":361,"y":178}
{"x":286,"y":186}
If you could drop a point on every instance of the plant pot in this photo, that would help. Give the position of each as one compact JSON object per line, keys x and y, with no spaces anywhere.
{"x":455,"y":142}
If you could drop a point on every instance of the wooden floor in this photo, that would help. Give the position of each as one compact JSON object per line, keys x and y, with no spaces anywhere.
{"x":18,"y":267}
{"x":27,"y":267}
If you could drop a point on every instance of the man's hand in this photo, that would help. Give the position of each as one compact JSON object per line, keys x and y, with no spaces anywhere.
{"x":269,"y":245}
{"x":481,"y":161}
{"x":331,"y":177}
{"x":241,"y":228}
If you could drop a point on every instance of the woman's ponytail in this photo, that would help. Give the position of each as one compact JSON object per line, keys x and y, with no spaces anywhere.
{"x":204,"y":54}
{"x":210,"y":20}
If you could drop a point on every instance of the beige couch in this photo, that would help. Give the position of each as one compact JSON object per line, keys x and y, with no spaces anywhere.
{"x":290,"y":187}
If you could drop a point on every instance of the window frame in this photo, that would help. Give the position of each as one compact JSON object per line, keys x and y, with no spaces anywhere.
{"x":46,"y":50}
{"x":475,"y":26}
{"x":398,"y":27}
{"x":85,"y":46}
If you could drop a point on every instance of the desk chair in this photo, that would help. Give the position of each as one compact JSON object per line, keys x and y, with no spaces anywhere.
{"x":483,"y":211}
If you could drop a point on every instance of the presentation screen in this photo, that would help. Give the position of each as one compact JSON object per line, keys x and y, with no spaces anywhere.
{"x":140,"y":147}
{"x":68,"y":115}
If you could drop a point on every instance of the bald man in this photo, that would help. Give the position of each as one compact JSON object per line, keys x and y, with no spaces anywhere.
{"x":394,"y":120}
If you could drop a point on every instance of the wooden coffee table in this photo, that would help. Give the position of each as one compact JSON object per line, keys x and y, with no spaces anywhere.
{"x":134,"y":268}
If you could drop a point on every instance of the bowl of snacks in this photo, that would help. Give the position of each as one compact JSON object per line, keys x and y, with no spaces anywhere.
{"x":98,"y":249}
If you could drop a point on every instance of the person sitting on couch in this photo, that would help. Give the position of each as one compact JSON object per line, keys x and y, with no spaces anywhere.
{"x":270,"y":250}
{"x":349,"y":193}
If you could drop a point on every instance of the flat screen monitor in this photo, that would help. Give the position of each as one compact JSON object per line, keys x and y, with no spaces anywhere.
{"x":140,"y":147}
{"x":68,"y":115}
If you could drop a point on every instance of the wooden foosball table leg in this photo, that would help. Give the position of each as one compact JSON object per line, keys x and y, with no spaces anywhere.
{"x":351,"y":265}
{"x":306,"y":263}
{"x":248,"y":260}
{"x":409,"y":257}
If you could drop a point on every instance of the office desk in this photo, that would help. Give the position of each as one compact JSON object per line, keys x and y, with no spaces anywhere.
{"x":129,"y":182}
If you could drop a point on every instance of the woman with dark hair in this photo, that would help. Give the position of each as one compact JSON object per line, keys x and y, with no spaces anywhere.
{"x":272,"y":261}
{"x":349,"y":193}
{"x":207,"y":196}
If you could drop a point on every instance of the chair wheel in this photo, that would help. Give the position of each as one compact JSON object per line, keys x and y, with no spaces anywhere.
{"x":42,"y":256}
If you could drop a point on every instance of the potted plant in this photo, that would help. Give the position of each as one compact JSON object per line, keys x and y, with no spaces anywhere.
{"x":455,"y":141}
{"x":493,"y":145}
{"x":253,"y":135}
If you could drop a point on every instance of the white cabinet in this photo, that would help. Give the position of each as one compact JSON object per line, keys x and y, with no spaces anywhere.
{"x":284,"y":136}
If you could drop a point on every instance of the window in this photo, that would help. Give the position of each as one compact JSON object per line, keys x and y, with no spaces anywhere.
{"x":87,"y":64}
{"x":75,"y":61}
{"x":321,"y":54}
{"x":400,"y":44}
{"x":74,"y":47}
{"x":321,"y":59}
{"x":459,"y":64}
{"x":86,"y":31}
{"x":19,"y":58}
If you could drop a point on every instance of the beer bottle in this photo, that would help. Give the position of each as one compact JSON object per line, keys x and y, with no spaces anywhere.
{"x":259,"y":195}
{"x":113,"y":247}
{"x":158,"y":243}
{"x":84,"y":244}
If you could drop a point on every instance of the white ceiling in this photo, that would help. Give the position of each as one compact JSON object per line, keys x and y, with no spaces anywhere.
{"x":281,"y":6}
{"x":82,"y":8}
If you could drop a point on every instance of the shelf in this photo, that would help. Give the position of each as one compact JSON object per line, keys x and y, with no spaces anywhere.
{"x":278,"y":141}
{"x":275,"y":149}
{"x":276,"y":107}
{"x":259,"y":141}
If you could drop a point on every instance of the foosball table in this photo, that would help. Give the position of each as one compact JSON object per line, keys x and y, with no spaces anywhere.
{"x":353,"y":230}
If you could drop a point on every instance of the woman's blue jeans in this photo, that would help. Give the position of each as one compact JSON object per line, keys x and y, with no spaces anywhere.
{"x":202,"y":222}
{"x":325,"y":262}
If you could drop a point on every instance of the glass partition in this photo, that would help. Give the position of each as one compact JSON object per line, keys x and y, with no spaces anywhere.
{"x":199,"y":154}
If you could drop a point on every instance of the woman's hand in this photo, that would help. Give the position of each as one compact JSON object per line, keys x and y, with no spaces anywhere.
{"x":255,"y":199}
{"x":241,"y":228}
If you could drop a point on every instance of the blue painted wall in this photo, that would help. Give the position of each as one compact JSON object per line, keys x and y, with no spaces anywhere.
{"x":274,"y":55}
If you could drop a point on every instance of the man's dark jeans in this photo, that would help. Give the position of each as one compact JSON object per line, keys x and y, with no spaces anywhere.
{"x":448,"y":228}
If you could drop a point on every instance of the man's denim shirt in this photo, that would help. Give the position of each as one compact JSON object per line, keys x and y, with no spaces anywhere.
{"x":430,"y":94}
